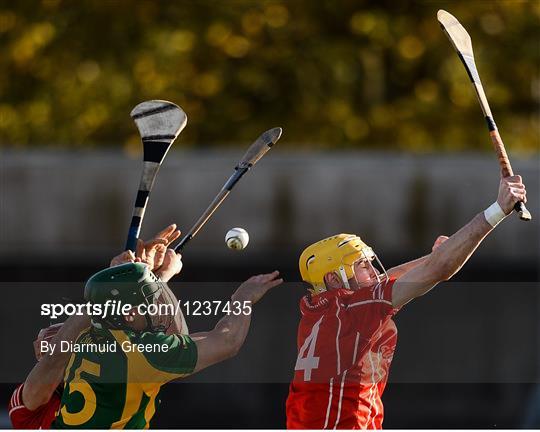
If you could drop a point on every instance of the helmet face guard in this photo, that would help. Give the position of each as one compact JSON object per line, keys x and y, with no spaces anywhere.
{"x":347,"y":269}
{"x":163,"y":307}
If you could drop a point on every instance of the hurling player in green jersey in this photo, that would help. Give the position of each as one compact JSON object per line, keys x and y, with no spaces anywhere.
{"x":119,"y":364}
{"x":36,"y":400}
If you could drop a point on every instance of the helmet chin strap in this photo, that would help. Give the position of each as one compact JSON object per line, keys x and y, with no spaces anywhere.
{"x":344,"y":277}
{"x":379,"y":278}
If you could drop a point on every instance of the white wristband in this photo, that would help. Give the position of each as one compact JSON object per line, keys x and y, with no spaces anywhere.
{"x":494,"y":214}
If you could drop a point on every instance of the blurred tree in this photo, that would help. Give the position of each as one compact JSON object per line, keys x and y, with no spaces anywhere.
{"x":334,"y":74}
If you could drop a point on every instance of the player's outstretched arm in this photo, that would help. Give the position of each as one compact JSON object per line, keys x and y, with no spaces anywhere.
{"x":446,"y":260}
{"x":48,"y":373}
{"x":228,"y":336}
{"x":398,"y":271}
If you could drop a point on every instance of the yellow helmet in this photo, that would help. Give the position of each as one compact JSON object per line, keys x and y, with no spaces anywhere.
{"x":336,"y":253}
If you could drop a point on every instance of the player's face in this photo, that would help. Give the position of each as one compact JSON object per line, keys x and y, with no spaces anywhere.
{"x":135,"y":320}
{"x":365,"y":274}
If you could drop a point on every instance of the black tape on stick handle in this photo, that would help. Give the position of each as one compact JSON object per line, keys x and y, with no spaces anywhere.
{"x":180,"y":246}
{"x":524,"y":214}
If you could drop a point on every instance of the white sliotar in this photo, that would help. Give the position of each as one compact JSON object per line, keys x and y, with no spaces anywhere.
{"x":237,"y":238}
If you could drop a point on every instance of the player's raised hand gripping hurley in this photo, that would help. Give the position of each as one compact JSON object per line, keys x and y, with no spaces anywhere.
{"x":462,"y":43}
{"x":511,"y":191}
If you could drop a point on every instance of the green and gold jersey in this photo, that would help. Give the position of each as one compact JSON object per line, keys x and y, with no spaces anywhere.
{"x":114,"y":376}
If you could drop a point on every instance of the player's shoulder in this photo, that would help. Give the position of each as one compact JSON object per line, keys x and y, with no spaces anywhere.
{"x":326,"y":302}
{"x":172,"y":341}
{"x":175,"y":354}
{"x":94,"y":334}
{"x":158,"y":342}
{"x":329,"y":301}
{"x":376,"y":293}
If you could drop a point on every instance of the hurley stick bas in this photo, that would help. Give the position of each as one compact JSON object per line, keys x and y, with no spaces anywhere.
{"x":462,"y":43}
{"x":255,"y":152}
{"x":159,"y":123}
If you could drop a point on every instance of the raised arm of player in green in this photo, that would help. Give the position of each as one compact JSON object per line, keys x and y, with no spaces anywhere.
{"x":228,"y":336}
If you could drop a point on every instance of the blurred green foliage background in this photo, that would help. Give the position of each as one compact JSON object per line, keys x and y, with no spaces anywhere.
{"x":333,"y":73}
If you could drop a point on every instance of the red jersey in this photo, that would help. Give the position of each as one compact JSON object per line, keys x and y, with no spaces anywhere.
{"x":346,"y":341}
{"x":41,"y":418}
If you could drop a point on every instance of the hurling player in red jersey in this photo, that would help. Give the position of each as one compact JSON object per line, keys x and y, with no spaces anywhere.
{"x":34,"y":403}
{"x":346,"y":337}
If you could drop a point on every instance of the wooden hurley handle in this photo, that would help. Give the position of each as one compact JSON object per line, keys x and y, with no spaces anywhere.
{"x":504,"y":162}
{"x":506,"y":170}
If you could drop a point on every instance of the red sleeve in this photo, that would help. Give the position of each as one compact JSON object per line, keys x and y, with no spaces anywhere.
{"x":41,"y":418}
{"x":372,"y":306}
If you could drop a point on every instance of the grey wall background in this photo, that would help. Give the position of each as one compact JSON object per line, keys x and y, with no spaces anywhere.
{"x":80,"y":203}
{"x":468,"y":353}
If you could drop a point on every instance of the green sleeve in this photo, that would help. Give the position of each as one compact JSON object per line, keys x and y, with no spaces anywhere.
{"x":175,"y":355}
